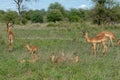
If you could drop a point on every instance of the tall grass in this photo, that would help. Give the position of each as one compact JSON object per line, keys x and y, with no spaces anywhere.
{"x":56,"y":40}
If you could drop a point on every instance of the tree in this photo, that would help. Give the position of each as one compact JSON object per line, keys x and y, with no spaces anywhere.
{"x":54,"y":15}
{"x":1,"y":14}
{"x":38,"y":16}
{"x":102,"y":10}
{"x":74,"y":15}
{"x":57,"y":6}
{"x":10,"y":16}
{"x":20,"y":6}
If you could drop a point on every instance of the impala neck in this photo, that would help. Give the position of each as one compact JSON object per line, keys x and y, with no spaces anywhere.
{"x":87,"y":38}
{"x":28,"y":47}
{"x":9,"y":29}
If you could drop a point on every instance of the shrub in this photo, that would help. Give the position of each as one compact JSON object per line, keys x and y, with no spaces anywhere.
{"x":54,"y":15}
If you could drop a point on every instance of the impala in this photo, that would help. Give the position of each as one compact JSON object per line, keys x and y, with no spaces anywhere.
{"x":10,"y":36}
{"x":110,"y":35}
{"x":76,"y":59}
{"x":96,"y":40}
{"x":52,"y":58}
{"x":32,"y":49}
{"x":61,"y":58}
{"x":32,"y":60}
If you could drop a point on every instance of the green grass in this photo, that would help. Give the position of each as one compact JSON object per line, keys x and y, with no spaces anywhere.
{"x":57,"y":39}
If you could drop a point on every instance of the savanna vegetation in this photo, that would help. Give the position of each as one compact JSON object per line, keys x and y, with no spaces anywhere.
{"x":57,"y":40}
{"x":104,"y":12}
{"x":57,"y":31}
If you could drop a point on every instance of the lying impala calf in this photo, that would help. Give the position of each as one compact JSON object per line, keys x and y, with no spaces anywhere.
{"x":32,"y":60}
{"x":76,"y":59}
{"x":32,"y":49}
{"x":61,"y":58}
{"x":52,"y":58}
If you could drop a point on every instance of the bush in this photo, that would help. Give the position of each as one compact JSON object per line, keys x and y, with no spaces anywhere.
{"x":37,"y":18}
{"x":54,"y":15}
{"x":10,"y":16}
{"x":52,"y":24}
{"x":24,"y":21}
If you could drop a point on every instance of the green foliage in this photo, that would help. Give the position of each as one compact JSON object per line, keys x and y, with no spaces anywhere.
{"x":103,"y":12}
{"x":10,"y":16}
{"x":54,"y":15}
{"x":57,"y":6}
{"x":36,"y":16}
{"x":24,"y":21}
{"x":74,"y":15}
{"x":51,"y":24}
{"x":1,"y":14}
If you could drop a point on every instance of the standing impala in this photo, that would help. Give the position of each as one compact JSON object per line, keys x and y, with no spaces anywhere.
{"x":110,"y":35}
{"x":10,"y":36}
{"x":96,"y":40}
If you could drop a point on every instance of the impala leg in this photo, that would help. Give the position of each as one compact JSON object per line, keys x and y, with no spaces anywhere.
{"x":94,"y":49}
{"x":10,"y":47}
{"x":98,"y":46}
{"x":111,"y":42}
{"x":105,"y":48}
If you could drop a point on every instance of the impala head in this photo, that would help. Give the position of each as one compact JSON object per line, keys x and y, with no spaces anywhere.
{"x":9,"y":24}
{"x":85,"y":34}
{"x":27,"y":45}
{"x":52,"y":57}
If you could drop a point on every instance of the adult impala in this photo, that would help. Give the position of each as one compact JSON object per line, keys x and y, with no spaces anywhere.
{"x":10,"y":36}
{"x":96,"y":40}
{"x":110,"y":35}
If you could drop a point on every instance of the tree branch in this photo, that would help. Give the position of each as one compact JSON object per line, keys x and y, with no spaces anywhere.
{"x":16,"y":1}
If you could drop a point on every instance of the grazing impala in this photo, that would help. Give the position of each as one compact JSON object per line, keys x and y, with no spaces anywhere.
{"x":32,"y":49}
{"x":10,"y":36}
{"x":96,"y":40}
{"x":110,"y":35}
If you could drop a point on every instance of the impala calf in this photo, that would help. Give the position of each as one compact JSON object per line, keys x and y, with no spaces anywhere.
{"x":52,"y":58}
{"x":96,"y":40}
{"x":76,"y":59}
{"x":32,"y":60}
{"x":61,"y":58}
{"x":32,"y":49}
